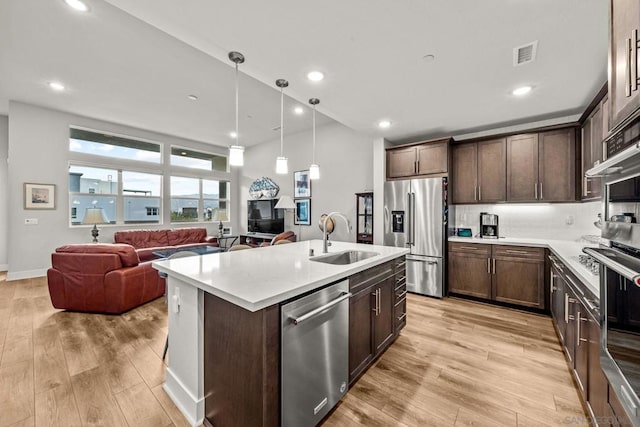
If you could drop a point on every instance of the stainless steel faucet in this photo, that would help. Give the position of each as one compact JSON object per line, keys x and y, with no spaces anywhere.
{"x":325,"y":243}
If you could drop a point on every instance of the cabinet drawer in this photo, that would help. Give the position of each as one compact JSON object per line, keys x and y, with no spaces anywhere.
{"x":400,"y":313}
{"x":401,"y":279}
{"x":518,"y":252}
{"x":475,"y":248}
{"x":400,"y":264}
{"x":371,"y":276}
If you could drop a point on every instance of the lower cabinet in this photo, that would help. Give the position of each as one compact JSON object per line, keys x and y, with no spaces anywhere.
{"x":377,"y":312}
{"x":578,"y":329}
{"x":509,"y":274}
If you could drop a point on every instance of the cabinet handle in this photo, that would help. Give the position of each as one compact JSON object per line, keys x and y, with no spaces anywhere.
{"x":375,"y":306}
{"x":399,"y":297}
{"x":578,"y":333}
{"x":566,"y":307}
{"x":489,"y":265}
{"x":494,"y":266}
{"x":400,"y":279}
{"x":541,"y":197}
{"x":401,"y":318}
{"x":535,"y":190}
{"x":469,"y":247}
{"x":634,"y":45}
{"x":479,"y":192}
{"x":417,"y":166}
{"x":627,"y":86}
{"x":513,"y":251}
{"x":475,"y":193}
{"x":379,"y":294}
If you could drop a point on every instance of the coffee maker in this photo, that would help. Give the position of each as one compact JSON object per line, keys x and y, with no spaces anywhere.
{"x":488,"y":225}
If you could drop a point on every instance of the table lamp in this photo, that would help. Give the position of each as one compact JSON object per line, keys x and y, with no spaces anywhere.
{"x":220,"y":216}
{"x":286,"y":203}
{"x":94,"y":216}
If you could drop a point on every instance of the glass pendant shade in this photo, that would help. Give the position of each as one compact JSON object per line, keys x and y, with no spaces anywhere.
{"x":314,"y":171}
{"x":236,"y":155}
{"x":282,"y":166}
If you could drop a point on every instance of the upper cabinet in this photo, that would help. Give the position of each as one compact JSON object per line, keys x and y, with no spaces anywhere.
{"x":533,"y":167}
{"x":595,"y":129}
{"x":478,"y":172}
{"x":623,"y":60}
{"x":429,"y":158}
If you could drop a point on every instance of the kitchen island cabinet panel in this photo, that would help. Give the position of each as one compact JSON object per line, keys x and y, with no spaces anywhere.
{"x":360,"y":331}
{"x":383,"y":319}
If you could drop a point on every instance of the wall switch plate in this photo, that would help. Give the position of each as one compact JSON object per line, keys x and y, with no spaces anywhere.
{"x":569,"y":220}
{"x":31,"y":221}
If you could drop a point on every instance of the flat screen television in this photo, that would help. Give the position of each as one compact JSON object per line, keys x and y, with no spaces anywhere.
{"x":263,"y":217}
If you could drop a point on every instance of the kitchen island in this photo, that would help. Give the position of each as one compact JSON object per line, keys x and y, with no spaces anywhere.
{"x":224,"y":323}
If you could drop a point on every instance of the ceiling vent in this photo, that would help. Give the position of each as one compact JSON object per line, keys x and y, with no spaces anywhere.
{"x":525,"y":54}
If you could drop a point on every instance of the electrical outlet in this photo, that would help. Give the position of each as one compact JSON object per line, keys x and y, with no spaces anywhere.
{"x":569,"y":220}
{"x":31,"y":221}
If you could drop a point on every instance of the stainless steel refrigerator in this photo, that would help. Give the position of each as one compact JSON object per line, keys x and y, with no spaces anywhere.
{"x":415,"y":217}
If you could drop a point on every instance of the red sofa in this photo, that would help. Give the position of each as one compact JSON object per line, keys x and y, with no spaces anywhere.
{"x":101,"y":278}
{"x":148,"y":241}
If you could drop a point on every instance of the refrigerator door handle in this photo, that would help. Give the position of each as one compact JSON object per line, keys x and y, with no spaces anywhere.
{"x":413,"y":218}
{"x":409,"y":220}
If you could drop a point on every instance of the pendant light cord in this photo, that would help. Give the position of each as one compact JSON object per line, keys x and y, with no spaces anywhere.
{"x":282,"y":121}
{"x":313,"y":156}
{"x":237,"y":134}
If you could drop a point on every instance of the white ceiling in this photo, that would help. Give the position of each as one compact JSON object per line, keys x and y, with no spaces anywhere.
{"x":121,"y":69}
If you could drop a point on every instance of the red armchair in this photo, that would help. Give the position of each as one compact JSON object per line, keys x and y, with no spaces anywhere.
{"x":101,"y":278}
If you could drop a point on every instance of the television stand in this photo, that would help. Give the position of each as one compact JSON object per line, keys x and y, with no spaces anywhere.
{"x":256,"y":238}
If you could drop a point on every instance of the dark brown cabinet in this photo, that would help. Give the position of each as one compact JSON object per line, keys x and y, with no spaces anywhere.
{"x":596,"y":380}
{"x":518,"y":276}
{"x":593,"y":132}
{"x":531,"y":167}
{"x":469,"y":269}
{"x":623,"y":54}
{"x":508,"y":274}
{"x":541,"y":167}
{"x":428,"y":158}
{"x":374,"y":310}
{"x":479,"y":172}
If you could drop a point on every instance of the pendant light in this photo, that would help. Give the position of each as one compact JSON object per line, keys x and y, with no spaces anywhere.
{"x":281,"y":162}
{"x":236,"y":151}
{"x":314,"y":169}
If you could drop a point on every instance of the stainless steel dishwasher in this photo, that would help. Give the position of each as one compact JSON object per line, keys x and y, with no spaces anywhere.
{"x":315,"y":354}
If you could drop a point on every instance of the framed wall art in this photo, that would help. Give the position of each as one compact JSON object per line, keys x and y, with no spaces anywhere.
{"x":39,"y":196}
{"x":303,"y":212}
{"x":301,"y":184}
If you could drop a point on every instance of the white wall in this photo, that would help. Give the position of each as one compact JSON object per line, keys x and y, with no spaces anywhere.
{"x":346,"y":167}
{"x":543,"y":220}
{"x":38,"y":152}
{"x":4,"y":147}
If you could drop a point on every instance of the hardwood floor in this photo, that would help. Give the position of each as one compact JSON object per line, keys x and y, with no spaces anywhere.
{"x":456,"y":363}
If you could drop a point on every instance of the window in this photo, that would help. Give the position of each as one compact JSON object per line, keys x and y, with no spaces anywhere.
{"x":197,"y":160}
{"x":101,"y":144}
{"x":187,"y":200}
{"x":92,"y":187}
{"x":140,"y":192}
{"x":96,"y":187}
{"x":152,"y":211}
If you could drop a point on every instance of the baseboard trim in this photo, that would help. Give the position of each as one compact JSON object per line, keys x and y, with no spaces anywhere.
{"x":4,"y":267}
{"x":26,"y":274}
{"x":191,"y":407}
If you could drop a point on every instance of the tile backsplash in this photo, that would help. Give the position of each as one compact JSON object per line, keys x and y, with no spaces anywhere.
{"x":560,"y":221}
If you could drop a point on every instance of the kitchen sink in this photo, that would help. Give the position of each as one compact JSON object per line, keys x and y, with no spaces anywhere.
{"x":346,"y":257}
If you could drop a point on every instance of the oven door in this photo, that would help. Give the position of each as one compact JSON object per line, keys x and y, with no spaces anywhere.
{"x":620,"y":322}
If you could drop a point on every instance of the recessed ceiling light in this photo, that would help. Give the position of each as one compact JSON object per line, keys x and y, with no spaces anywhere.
{"x":77,"y":5}
{"x":233,"y":135}
{"x":298,"y":110}
{"x":192,"y":97}
{"x":315,"y":76}
{"x":383,"y":124}
{"x":56,"y":86}
{"x":523,"y":90}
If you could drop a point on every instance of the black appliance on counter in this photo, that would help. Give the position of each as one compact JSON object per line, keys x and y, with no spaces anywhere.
{"x":488,"y":225}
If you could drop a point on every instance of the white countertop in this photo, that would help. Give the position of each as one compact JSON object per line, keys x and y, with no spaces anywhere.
{"x":257,"y":278}
{"x":566,"y":250}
